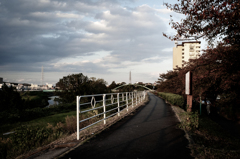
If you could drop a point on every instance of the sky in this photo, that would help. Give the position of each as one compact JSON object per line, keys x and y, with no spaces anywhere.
{"x":99,"y":38}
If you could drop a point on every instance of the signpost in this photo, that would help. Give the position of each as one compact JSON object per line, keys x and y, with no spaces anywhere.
{"x":188,"y":90}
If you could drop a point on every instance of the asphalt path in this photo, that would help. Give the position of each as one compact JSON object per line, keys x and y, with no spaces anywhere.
{"x":151,"y":133}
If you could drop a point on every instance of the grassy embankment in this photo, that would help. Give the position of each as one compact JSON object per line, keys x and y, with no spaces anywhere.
{"x":207,"y":138}
{"x":58,"y":122}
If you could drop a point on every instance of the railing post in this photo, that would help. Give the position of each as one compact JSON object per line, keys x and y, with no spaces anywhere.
{"x":132,"y":99}
{"x":77,"y":104}
{"x":136,"y":98}
{"x":104,"y":109}
{"x":118,"y":104}
{"x":127,"y":100}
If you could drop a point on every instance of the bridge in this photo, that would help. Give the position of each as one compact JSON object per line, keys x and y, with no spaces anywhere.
{"x":136,"y":85}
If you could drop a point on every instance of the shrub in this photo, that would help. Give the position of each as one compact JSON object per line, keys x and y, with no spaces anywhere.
{"x":190,"y":122}
{"x":173,"y":99}
{"x":71,"y":124}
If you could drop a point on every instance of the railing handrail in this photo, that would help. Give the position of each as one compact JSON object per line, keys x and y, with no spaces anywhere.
{"x":130,"y":99}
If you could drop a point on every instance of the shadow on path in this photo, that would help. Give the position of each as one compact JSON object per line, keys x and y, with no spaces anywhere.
{"x":150,"y":133}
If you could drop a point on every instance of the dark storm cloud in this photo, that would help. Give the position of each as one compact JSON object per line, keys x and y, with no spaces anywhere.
{"x":42,"y":32}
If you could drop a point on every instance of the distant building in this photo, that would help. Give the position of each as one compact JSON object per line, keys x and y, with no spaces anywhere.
{"x":185,"y":51}
{"x":1,"y":80}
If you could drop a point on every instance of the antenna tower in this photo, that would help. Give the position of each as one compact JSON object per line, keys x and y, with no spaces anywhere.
{"x":42,"y":76}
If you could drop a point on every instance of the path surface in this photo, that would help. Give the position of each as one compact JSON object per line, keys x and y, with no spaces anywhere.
{"x":151,"y":133}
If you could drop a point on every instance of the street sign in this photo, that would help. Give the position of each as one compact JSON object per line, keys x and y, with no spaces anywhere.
{"x":188,"y":83}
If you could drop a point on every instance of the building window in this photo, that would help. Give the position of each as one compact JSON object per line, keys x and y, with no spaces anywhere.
{"x":182,"y":49}
{"x":182,"y":57}
{"x":191,"y":48}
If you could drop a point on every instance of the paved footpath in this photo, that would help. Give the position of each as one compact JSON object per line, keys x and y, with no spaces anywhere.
{"x":151,"y":133}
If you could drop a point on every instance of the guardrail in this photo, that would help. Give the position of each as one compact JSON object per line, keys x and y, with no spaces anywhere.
{"x":105,"y":105}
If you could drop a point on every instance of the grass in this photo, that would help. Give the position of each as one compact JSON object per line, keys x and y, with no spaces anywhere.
{"x":210,"y":140}
{"x":53,"y":119}
{"x":30,"y":97}
{"x":36,"y":133}
{"x":32,"y":135}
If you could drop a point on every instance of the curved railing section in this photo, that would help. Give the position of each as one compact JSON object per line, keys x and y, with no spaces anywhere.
{"x":103,"y":106}
{"x":132,"y":85}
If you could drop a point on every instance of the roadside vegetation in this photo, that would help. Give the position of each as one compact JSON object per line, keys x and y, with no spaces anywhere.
{"x":206,"y":138}
{"x":216,"y":74}
{"x":32,"y":125}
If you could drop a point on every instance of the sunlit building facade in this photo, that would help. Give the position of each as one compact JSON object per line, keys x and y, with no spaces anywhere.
{"x":185,"y":51}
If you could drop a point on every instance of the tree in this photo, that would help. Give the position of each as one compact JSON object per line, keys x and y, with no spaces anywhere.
{"x":207,"y":19}
{"x":10,"y":99}
{"x":215,"y":73}
{"x":98,"y":86}
{"x":78,"y":84}
{"x":123,"y":83}
{"x":170,"y":82}
{"x":73,"y":85}
{"x":112,"y":85}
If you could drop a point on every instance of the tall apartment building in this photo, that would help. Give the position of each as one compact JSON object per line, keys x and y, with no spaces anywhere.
{"x":185,"y":51}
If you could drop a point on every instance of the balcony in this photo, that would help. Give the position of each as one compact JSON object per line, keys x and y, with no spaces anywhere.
{"x":192,"y":54}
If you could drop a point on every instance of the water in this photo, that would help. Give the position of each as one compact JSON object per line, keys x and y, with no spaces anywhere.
{"x":52,"y":102}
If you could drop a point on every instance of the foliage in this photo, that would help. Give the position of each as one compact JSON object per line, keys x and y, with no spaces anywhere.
{"x":207,"y":19}
{"x":112,"y":85}
{"x":216,"y":72}
{"x":30,"y":114}
{"x":27,"y":138}
{"x":174,"y":99}
{"x":127,"y":88}
{"x":190,"y":122}
{"x":34,"y":99}
{"x":170,"y":82}
{"x":78,"y":84}
{"x":71,"y":124}
{"x":10,"y":99}
{"x":210,"y":139}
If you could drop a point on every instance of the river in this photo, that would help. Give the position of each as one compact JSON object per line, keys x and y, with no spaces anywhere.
{"x":52,"y":102}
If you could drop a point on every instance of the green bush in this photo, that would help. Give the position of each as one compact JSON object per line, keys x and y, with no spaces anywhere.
{"x":173,"y":99}
{"x":190,"y":122}
{"x":27,"y":138}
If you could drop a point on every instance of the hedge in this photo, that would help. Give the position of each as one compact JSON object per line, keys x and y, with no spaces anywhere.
{"x":173,"y":99}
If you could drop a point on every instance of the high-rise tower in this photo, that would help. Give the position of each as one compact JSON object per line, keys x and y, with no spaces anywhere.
{"x":185,"y":51}
{"x":130,"y":80}
{"x":42,"y":76}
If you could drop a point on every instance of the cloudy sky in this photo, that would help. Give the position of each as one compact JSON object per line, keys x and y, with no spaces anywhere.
{"x":99,"y":38}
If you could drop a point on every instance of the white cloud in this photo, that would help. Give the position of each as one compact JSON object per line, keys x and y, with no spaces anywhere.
{"x":100,"y":37}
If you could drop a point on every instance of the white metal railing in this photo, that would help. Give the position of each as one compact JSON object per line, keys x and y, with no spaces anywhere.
{"x":107,"y":104}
